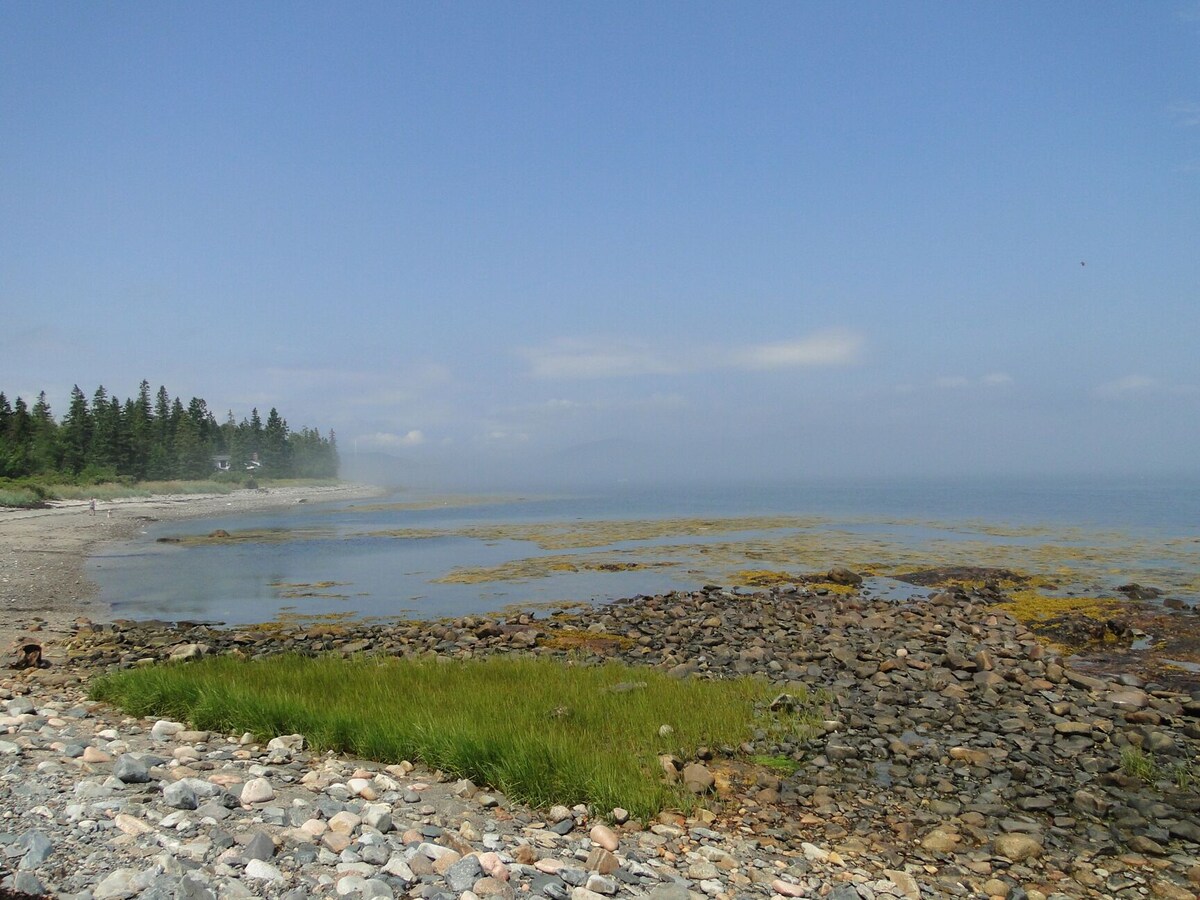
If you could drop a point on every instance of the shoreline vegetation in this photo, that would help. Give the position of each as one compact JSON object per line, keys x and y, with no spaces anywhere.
{"x":541,"y":732}
{"x":38,"y":494}
{"x":147,"y":439}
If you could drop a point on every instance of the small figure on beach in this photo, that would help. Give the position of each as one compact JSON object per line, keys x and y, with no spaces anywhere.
{"x":92,"y":506}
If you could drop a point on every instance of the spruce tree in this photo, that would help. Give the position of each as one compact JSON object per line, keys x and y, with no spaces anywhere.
{"x":75,"y":433}
{"x":275,"y":456}
{"x":18,"y":459}
{"x":108,"y":451}
{"x":43,"y":450}
{"x":139,"y":422}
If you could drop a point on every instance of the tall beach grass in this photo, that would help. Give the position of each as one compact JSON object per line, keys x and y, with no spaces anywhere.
{"x":119,"y":491}
{"x":31,"y":492}
{"x":538,"y":730}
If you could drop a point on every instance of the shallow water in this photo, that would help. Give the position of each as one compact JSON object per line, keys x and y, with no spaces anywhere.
{"x":431,"y":560}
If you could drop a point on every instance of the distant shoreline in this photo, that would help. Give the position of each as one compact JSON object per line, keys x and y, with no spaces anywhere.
{"x":43,"y":587}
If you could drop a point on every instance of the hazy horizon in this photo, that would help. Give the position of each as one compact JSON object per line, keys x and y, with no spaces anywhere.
{"x":531,"y":243}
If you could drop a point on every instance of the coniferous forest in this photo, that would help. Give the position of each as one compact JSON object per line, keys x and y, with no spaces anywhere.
{"x":153,"y":437}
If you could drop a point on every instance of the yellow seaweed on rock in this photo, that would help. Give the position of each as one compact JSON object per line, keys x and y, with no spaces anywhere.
{"x":250,"y":536}
{"x":541,"y":566}
{"x":581,"y":639}
{"x":762,"y":578}
{"x":1032,"y":606}
{"x":832,"y":587}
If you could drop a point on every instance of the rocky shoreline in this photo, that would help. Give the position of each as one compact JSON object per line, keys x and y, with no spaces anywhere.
{"x":960,"y":757}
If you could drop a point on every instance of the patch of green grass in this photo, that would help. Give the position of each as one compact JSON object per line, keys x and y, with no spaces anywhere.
{"x":1137,"y":763}
{"x":1184,"y":775}
{"x":21,"y":497}
{"x":117,"y":490}
{"x":538,"y":730}
{"x":784,"y":765}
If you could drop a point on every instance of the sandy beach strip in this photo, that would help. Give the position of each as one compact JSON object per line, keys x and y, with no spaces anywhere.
{"x":43,"y":586}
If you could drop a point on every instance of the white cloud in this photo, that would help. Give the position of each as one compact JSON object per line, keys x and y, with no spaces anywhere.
{"x":505,"y":436}
{"x":826,"y":348}
{"x":1138,"y":385}
{"x":390,"y":441}
{"x":573,"y":358}
{"x":1123,"y":387}
{"x":559,"y":406}
{"x":596,"y":359}
{"x":961,"y":382}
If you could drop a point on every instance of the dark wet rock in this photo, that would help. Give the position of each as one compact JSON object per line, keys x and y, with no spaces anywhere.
{"x":843,"y":576}
{"x":950,"y":575}
{"x":1135,"y":591}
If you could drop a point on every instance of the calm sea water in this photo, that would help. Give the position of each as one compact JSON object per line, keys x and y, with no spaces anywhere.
{"x":247,"y":582}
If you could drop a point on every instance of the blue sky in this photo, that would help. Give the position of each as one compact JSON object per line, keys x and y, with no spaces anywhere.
{"x":617,"y":239}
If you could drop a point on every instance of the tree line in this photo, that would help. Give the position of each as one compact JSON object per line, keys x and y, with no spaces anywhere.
{"x":153,"y":437}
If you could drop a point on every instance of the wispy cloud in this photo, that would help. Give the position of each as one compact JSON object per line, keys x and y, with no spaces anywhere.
{"x":560,"y":406}
{"x":1138,"y":385}
{"x":599,"y":358}
{"x":1185,"y":113}
{"x":1123,"y":387}
{"x":827,"y":348}
{"x":570,"y":358}
{"x":505,"y":436}
{"x":385,"y":440}
{"x":962,"y":382}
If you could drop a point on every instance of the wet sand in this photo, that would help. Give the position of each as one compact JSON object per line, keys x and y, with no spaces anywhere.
{"x":43,"y":587}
